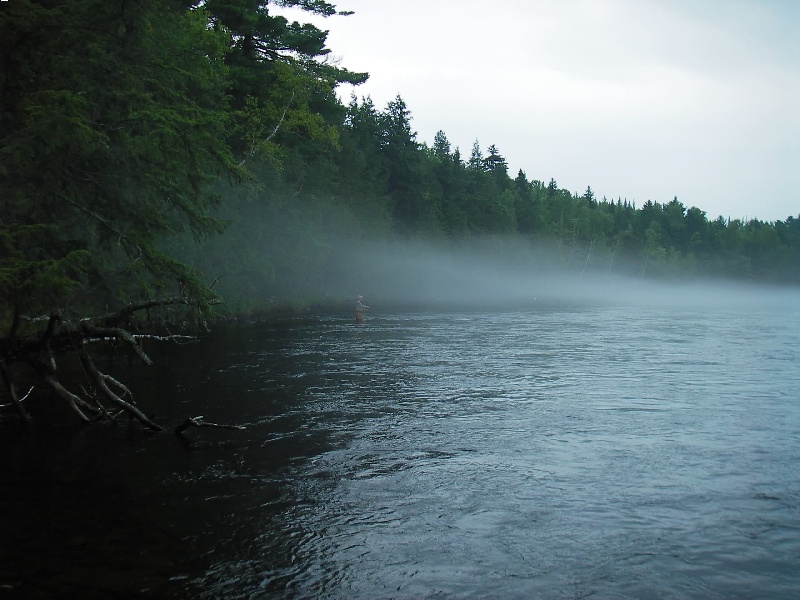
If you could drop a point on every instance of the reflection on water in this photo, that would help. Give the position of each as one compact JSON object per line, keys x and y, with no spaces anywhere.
{"x":550,"y":453}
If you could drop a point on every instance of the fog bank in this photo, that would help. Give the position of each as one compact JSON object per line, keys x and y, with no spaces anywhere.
{"x":500,"y":274}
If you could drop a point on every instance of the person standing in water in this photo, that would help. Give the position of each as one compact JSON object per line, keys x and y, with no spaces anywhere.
{"x":360,"y":308}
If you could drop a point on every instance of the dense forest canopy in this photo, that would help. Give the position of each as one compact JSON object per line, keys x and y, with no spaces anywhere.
{"x":158,"y":156}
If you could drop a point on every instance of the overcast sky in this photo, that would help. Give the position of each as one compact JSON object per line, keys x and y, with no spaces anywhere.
{"x":639,"y":99}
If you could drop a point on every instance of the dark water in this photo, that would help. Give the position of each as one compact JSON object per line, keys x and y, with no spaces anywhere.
{"x":552,"y":452}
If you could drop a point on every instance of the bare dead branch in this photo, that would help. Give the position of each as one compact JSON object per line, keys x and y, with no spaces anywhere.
{"x":280,"y":121}
{"x":117,"y":333}
{"x":74,"y":402}
{"x":27,"y":394}
{"x":12,"y":392}
{"x":252,"y":151}
{"x":102,"y":379}
{"x":120,"y":386}
{"x":179,"y":339}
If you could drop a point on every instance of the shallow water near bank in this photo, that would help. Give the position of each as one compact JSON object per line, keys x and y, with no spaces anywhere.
{"x":555,"y":452}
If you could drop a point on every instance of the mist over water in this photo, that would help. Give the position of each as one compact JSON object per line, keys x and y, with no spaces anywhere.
{"x":497,"y":274}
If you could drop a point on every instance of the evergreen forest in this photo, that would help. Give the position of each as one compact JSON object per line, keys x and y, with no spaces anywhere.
{"x":169,"y":161}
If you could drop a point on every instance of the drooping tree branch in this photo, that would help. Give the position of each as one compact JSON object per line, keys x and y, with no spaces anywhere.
{"x":122,"y":315}
{"x":102,"y":220}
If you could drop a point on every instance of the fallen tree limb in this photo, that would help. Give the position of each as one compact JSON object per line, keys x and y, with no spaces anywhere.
{"x":53,"y":336}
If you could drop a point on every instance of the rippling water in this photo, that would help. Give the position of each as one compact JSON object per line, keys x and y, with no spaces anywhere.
{"x":550,"y":452}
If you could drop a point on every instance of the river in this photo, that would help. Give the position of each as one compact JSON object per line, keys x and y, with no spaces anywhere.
{"x":553,"y":451}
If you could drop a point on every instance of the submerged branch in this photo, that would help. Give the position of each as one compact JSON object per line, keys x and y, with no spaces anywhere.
{"x":199,"y":422}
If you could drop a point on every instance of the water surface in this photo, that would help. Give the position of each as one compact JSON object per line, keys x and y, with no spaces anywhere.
{"x":554,"y":452}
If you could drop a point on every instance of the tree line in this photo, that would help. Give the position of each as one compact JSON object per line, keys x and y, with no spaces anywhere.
{"x":377,"y":181}
{"x":159,"y":157}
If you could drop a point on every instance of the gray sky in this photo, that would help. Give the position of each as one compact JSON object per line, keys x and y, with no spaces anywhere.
{"x":639,"y":99}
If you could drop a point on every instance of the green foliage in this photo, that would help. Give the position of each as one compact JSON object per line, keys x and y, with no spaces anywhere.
{"x":122,"y":106}
{"x":121,"y":119}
